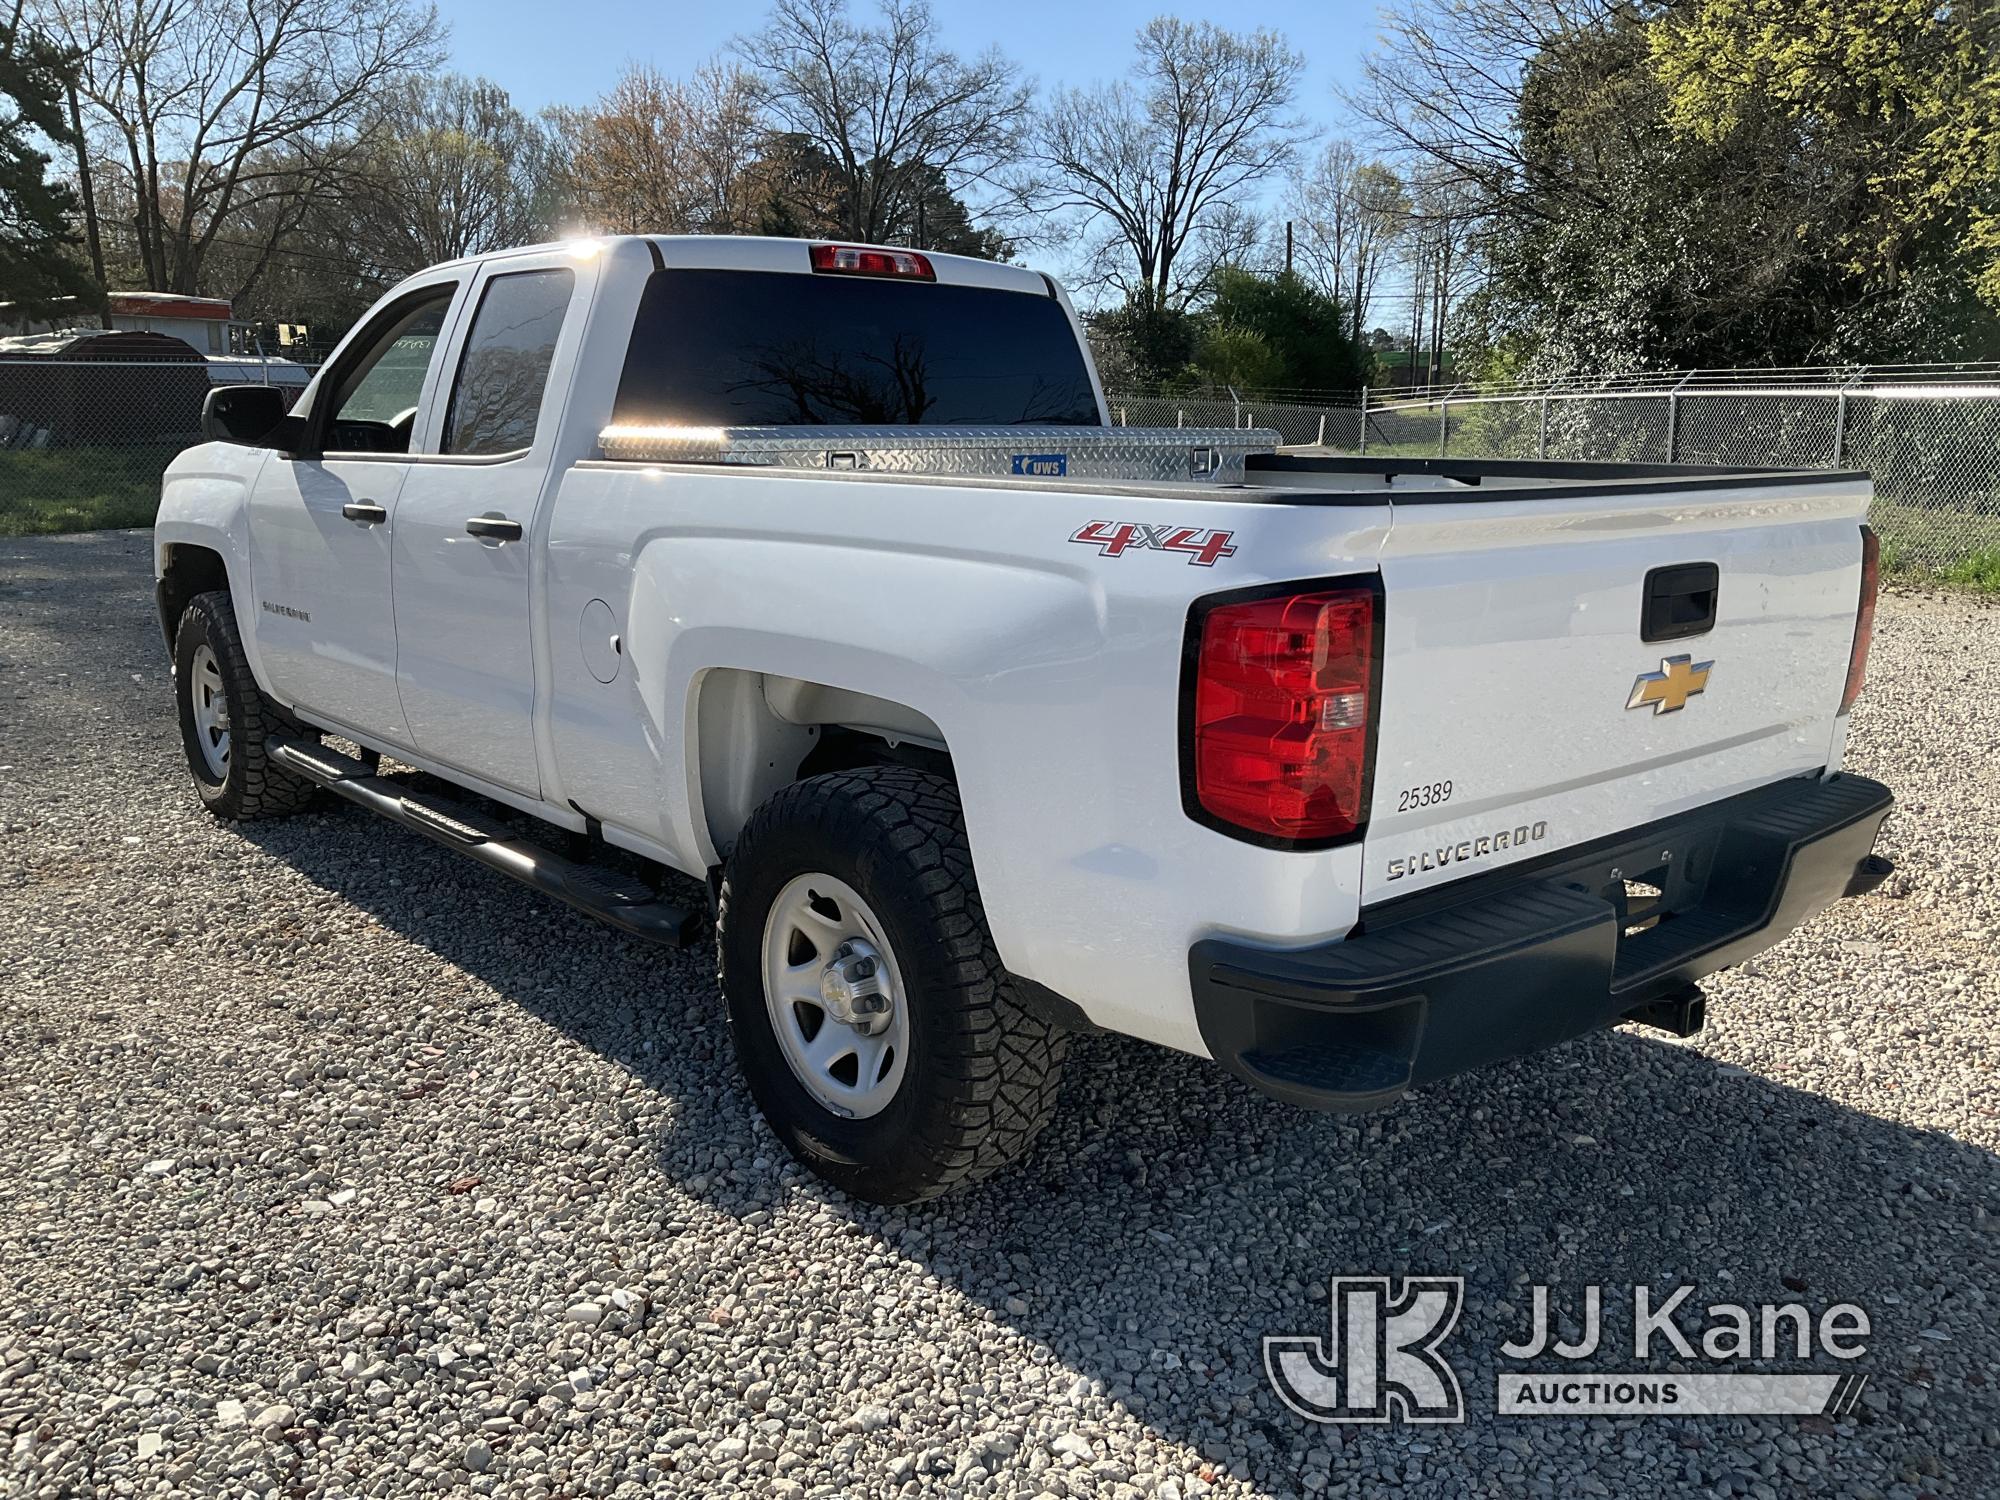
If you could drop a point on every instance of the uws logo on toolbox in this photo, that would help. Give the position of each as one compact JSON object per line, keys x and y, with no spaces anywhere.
{"x":1384,"y":1357}
{"x":1116,"y":538}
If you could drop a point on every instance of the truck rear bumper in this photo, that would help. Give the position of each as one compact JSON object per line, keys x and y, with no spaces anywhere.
{"x":1508,"y":963}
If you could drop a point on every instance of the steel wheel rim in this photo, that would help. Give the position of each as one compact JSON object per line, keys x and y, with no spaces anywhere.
{"x":210,"y":705}
{"x":849,"y":1071}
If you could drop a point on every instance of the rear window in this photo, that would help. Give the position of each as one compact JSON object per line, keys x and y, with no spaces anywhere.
{"x":775,"y":349}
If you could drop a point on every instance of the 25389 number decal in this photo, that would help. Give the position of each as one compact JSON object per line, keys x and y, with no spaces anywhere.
{"x":1427,"y":795}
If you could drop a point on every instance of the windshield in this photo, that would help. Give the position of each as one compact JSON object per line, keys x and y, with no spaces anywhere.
{"x":777,"y":349}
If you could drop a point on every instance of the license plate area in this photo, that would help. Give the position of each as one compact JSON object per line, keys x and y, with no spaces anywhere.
{"x":1647,"y":883}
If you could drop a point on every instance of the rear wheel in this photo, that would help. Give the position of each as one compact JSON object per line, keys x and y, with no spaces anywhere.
{"x":226,"y":719}
{"x":869,"y":1011}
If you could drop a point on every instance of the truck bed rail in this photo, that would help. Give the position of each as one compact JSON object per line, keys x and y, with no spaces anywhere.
{"x":1213,"y":455}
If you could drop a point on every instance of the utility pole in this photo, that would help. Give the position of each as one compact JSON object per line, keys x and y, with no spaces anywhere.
{"x":1416,"y":309}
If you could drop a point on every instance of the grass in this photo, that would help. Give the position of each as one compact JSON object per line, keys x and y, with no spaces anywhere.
{"x":1979,"y":571}
{"x":79,"y":489}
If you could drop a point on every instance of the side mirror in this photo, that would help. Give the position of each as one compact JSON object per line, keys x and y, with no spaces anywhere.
{"x":253,"y":416}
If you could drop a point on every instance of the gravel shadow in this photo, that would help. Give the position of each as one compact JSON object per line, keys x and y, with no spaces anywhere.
{"x":1171,"y":1217}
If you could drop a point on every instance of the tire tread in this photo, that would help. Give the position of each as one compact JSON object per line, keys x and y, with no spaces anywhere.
{"x":257,"y":786}
{"x":995,"y":1085}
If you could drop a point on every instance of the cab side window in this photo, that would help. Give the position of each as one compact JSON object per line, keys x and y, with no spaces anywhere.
{"x":497,"y":396}
{"x":374,"y":398}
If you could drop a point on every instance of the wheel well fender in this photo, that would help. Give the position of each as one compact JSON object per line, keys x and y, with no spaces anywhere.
{"x":758,"y":732}
{"x":188,"y":570}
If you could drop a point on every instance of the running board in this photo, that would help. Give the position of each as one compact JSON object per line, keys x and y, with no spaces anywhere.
{"x":625,"y":901}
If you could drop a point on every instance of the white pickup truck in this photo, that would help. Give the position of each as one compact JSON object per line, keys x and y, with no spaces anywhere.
{"x":813,"y":572}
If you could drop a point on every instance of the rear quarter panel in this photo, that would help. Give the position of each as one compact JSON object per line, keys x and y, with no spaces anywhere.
{"x":1053,"y":671}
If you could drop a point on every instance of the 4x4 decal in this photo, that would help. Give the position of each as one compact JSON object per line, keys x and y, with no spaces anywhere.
{"x":1115,"y":538}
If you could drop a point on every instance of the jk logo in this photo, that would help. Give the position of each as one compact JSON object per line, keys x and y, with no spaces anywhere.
{"x":1382,"y":1358}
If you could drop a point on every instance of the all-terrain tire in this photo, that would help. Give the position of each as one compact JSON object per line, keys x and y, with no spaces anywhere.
{"x":251,"y":785}
{"x":981,"y":1075}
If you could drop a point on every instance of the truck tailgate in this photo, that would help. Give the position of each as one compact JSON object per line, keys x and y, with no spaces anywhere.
{"x":1512,"y":647}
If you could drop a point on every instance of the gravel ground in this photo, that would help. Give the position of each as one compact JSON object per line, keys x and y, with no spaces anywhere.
{"x":332,"y":1165}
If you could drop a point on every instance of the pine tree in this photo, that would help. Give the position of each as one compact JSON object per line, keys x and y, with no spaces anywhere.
{"x":38,"y":263}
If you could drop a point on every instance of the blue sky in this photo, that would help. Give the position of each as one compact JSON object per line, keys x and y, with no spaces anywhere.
{"x":579,"y":56}
{"x":571,"y":51}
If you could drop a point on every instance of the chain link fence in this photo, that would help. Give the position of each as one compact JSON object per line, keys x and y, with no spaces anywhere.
{"x":1930,"y":436}
{"x":83,"y":442}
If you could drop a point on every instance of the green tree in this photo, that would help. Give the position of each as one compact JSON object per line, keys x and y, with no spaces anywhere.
{"x":1889,"y":108}
{"x":1239,"y":358}
{"x":1139,"y":344}
{"x":38,"y":264}
{"x":1279,"y":331}
{"x":1709,"y":182}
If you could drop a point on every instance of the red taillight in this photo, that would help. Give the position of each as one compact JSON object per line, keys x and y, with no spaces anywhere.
{"x":1283,"y":704}
{"x":1864,"y":617}
{"x":853,"y":260}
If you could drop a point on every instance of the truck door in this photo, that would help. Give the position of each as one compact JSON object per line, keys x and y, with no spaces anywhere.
{"x":321,"y":524}
{"x":463,"y":551}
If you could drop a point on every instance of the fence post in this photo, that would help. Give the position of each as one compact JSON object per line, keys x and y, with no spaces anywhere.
{"x":1364,"y":421}
{"x":1444,"y":417}
{"x":1674,"y":417}
{"x":1542,"y":435}
{"x":1840,"y":417}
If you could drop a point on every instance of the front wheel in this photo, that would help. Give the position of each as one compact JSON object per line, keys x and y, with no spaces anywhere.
{"x":226,"y":719}
{"x":870,"y":1014}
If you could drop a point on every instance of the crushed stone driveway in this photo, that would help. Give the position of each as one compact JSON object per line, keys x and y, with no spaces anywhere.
{"x":330,"y":1165}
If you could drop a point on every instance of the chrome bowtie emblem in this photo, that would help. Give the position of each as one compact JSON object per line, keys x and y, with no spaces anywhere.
{"x":1668,"y":690}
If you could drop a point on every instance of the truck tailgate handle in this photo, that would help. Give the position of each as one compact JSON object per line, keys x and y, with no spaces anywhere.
{"x":493,"y":528}
{"x":367,"y":512}
{"x":1679,"y":601}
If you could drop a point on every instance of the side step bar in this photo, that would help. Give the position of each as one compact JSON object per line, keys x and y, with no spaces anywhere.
{"x":624,"y":901}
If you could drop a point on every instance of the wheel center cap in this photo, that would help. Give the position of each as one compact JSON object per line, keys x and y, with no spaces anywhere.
{"x":854,"y":987}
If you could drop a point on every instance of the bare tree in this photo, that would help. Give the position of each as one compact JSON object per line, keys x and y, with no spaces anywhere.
{"x":1348,"y":213}
{"x":1441,"y":238}
{"x":452,"y":168}
{"x":1448,"y":81}
{"x":656,"y":154}
{"x":214,"y":108}
{"x":1153,"y":167}
{"x":888,"y":105}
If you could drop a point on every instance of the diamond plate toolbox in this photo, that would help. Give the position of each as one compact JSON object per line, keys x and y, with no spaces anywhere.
{"x":1138,"y":454}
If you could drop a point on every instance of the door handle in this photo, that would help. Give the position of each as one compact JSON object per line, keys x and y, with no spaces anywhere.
{"x":494,"y":528}
{"x":365,"y":511}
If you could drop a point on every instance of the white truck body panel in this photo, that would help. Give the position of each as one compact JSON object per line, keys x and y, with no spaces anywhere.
{"x":1054,"y":676}
{"x":1512,"y":645}
{"x":638,"y":659}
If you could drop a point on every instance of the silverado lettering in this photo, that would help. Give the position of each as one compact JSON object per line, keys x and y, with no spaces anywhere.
{"x":1468,"y":849}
